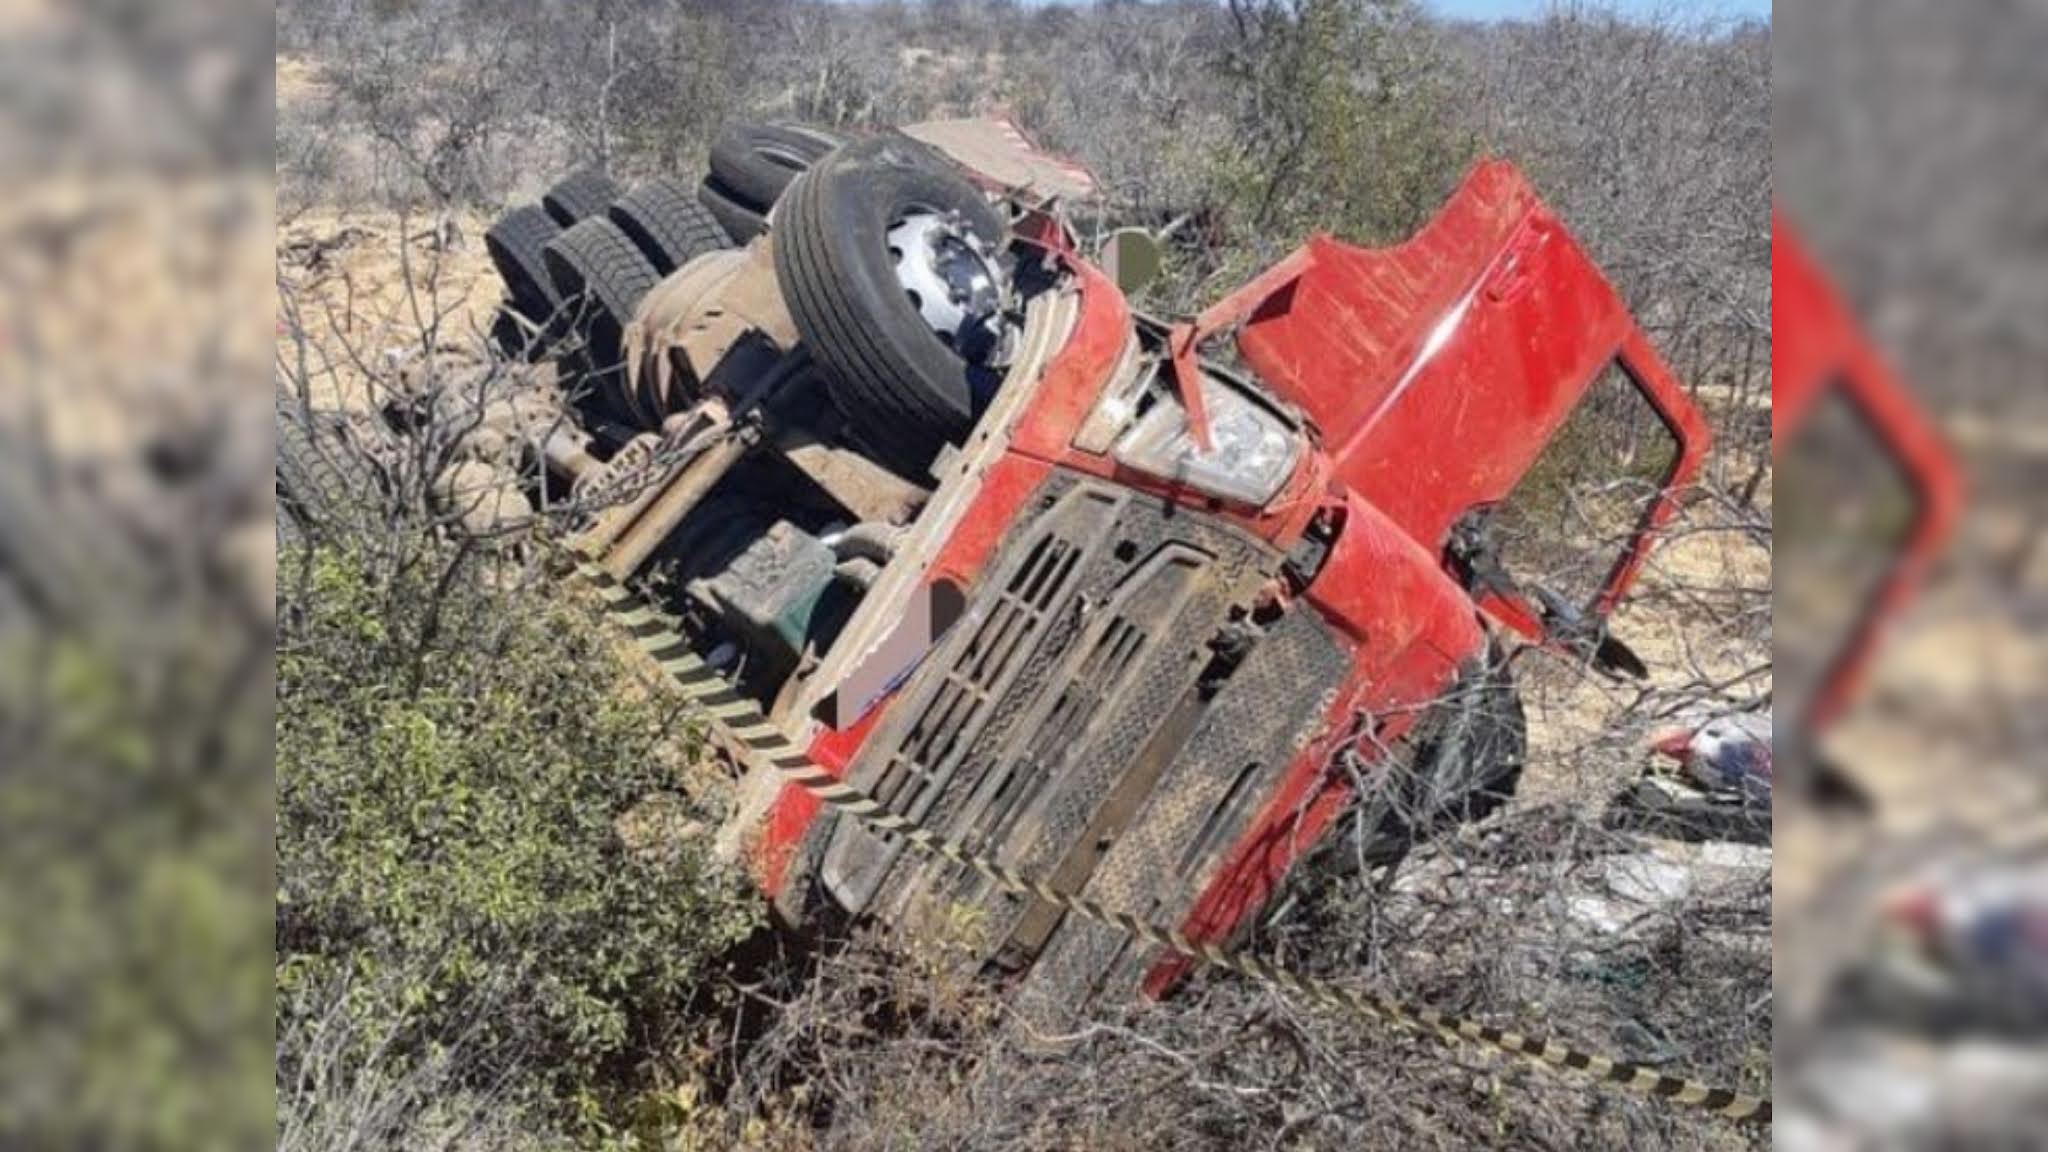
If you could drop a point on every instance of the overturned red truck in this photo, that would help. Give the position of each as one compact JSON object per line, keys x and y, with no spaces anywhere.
{"x":1136,"y":604}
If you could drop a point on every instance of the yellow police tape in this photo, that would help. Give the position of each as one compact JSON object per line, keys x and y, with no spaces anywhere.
{"x":744,"y":722}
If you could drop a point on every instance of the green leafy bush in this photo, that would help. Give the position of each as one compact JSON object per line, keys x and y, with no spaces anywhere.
{"x":131,"y":988}
{"x":1347,"y":122}
{"x":463,"y":774}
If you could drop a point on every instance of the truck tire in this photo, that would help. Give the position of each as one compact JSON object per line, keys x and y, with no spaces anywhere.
{"x":601,"y":278}
{"x":1469,"y":757}
{"x":516,"y":244}
{"x":903,"y":390}
{"x":668,"y":224}
{"x":323,"y":480}
{"x":1464,"y":762}
{"x":579,"y":196}
{"x":757,"y":162}
{"x":740,"y":221}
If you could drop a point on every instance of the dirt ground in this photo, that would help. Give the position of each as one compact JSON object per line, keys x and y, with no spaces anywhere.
{"x":365,"y":285}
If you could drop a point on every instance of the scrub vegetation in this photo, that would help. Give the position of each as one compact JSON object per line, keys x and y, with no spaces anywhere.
{"x":478,"y":843}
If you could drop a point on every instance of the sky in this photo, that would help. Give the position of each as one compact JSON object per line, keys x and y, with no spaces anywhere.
{"x":1525,"y":9}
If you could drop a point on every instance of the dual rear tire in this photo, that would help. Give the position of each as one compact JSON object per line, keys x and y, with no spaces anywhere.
{"x":667,"y":224}
{"x":578,"y":264}
{"x":601,"y":276}
{"x":752,"y":165}
{"x":904,"y":391}
{"x":517,"y":244}
{"x":580,"y":195}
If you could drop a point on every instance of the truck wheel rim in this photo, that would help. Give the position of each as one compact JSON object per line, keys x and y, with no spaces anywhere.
{"x":952,"y":279}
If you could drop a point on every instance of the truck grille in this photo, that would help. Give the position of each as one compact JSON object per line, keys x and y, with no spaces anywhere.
{"x":967,"y":695}
{"x":1105,"y":674}
{"x":1090,"y":623}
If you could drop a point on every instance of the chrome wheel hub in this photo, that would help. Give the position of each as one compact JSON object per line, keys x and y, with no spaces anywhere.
{"x":953,"y":280}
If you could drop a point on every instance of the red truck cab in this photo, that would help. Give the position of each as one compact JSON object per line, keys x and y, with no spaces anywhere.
{"x":1159,"y":688}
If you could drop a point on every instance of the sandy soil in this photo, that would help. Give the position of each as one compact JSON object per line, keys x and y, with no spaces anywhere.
{"x":361,"y":285}
{"x":298,"y":82}
{"x":364,"y":286}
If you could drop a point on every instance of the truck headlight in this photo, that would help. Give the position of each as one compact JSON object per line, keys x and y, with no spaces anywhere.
{"x":1254,"y":451}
